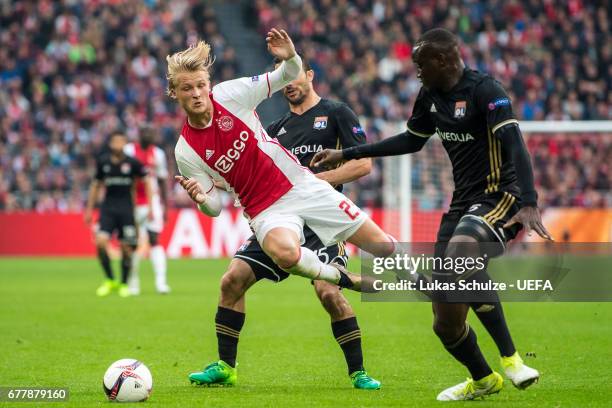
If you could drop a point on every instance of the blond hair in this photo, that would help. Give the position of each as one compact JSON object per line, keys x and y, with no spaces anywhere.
{"x":195,"y":58}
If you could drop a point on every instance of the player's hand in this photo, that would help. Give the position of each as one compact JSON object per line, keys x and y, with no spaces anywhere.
{"x":327,"y":158}
{"x":87,"y":216}
{"x":280,"y":44}
{"x":193,"y":188}
{"x":150,"y":213}
{"x":531,"y":220}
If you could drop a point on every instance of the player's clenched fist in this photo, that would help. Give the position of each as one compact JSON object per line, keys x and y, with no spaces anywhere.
{"x":193,"y":188}
{"x":327,"y":158}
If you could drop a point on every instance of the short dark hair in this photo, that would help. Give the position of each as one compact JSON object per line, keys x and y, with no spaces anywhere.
{"x":439,"y":37}
{"x":116,"y":132}
{"x":305,"y":64}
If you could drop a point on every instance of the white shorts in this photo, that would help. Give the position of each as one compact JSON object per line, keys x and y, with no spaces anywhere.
{"x":142,"y":219}
{"x":315,"y":203}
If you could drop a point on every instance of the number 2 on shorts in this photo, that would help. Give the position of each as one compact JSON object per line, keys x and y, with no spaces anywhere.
{"x":346,"y":207}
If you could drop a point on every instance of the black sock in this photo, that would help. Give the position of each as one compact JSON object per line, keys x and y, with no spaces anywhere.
{"x":105,"y":262}
{"x":465,"y":349}
{"x":228,"y":323}
{"x":348,"y":336}
{"x":126,"y":266}
{"x":491,"y":316}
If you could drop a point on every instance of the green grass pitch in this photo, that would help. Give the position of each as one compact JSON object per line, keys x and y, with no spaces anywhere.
{"x":56,"y":332}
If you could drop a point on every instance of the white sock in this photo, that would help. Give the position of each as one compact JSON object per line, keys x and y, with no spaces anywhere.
{"x":134,"y":279}
{"x":158,"y":259}
{"x":310,"y":266}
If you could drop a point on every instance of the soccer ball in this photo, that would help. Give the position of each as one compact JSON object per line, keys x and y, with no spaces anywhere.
{"x":127,"y":380}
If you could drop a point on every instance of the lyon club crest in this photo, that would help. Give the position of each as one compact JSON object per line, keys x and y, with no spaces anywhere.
{"x":320,"y":122}
{"x":225,"y":123}
{"x":460,"y":109}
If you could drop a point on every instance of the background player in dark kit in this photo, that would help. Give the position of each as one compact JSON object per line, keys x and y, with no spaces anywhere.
{"x":311,"y":125}
{"x":118,"y":173}
{"x":494,"y":193}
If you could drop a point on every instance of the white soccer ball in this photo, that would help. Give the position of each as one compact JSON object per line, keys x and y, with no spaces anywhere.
{"x":127,"y":380}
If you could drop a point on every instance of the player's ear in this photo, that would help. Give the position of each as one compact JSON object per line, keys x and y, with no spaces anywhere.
{"x":310,"y":75}
{"x":172,"y":93}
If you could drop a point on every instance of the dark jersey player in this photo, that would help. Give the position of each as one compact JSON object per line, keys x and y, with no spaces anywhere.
{"x":118,"y":173}
{"x":311,"y":125}
{"x":494,"y":194}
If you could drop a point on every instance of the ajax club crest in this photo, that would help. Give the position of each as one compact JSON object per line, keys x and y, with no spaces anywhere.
{"x":225,"y":123}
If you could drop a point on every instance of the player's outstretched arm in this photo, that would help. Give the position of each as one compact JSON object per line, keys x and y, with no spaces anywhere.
{"x":281,"y":47}
{"x":402,"y":143}
{"x":249,"y":92}
{"x":280,"y":44}
{"x":513,"y":147}
{"x":347,"y":172}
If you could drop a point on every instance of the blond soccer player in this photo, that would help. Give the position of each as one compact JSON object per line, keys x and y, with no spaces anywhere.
{"x":223,"y":142}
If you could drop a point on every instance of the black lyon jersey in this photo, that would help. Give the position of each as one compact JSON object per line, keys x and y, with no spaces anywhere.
{"x":118,"y":177}
{"x":327,"y":125}
{"x":466,"y":119}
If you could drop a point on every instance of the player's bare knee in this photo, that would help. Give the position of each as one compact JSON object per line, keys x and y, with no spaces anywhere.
{"x":101,"y":241}
{"x":236,"y":280}
{"x":285,"y":254}
{"x":283,"y":246}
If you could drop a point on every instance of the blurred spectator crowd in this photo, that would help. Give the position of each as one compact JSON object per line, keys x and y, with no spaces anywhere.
{"x":553,"y":56}
{"x":71,"y":71}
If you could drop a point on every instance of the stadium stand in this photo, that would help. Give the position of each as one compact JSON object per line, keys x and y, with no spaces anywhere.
{"x":72,"y":71}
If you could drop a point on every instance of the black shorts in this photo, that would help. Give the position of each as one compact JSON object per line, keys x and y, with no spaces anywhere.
{"x":264,"y":268}
{"x":120,"y":220}
{"x":495,"y":209}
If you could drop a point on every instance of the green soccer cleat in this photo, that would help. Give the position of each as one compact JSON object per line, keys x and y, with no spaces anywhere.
{"x":216,"y":374}
{"x":106,"y":288}
{"x":470,"y":389}
{"x":124,"y":290}
{"x":362,"y":381}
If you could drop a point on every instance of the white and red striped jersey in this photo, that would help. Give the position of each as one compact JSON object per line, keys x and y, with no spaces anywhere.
{"x":154,"y":160}
{"x":235,"y":148}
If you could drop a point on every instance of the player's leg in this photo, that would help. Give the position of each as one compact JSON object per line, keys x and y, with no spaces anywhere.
{"x":229,"y":320}
{"x":158,"y":254}
{"x":102,"y":240}
{"x":346,"y":331}
{"x":279,"y":230}
{"x":141,"y":221}
{"x":230,"y":317}
{"x":282,"y":244}
{"x":459,"y":338}
{"x":371,"y":238}
{"x":128,"y":236}
{"x":480,"y":225}
{"x":160,"y":264}
{"x":344,"y":324}
{"x":105,"y":231}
